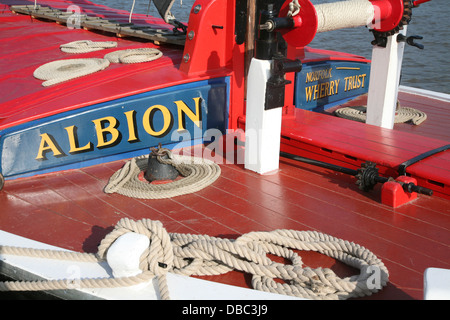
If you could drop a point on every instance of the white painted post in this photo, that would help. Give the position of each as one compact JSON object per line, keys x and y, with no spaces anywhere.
{"x":124,"y":254}
{"x":262,"y":127}
{"x":384,"y":81}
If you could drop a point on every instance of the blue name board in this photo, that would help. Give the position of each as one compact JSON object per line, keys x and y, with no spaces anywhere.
{"x":320,"y":85}
{"x":115,"y":128}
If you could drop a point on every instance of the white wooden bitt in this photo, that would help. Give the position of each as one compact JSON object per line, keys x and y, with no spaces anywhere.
{"x":124,"y":254}
{"x":436,"y":284}
{"x":385,"y":72}
{"x":181,"y":287}
{"x":262,"y":127}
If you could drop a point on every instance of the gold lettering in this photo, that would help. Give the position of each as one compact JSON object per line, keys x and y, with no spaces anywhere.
{"x":131,"y":125}
{"x":347,"y":83}
{"x":318,"y":75}
{"x":308,"y":93}
{"x":363,"y":79}
{"x":322,"y":91}
{"x":47,"y":144}
{"x":332,"y":87}
{"x":101,"y":132}
{"x":73,"y":141}
{"x":354,"y":82}
{"x":148,"y":119}
{"x":183,"y":110}
{"x":316,"y":91}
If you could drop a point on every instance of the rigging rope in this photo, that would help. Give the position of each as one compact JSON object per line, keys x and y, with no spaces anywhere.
{"x":192,"y":254}
{"x":197,"y":174}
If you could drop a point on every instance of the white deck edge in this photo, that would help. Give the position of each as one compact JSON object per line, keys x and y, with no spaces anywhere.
{"x":425,"y":93}
{"x":180,"y":287}
{"x":436,"y":285}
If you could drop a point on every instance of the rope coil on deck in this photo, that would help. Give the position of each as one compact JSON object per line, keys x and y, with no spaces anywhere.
{"x":84,"y":46}
{"x":402,"y":115}
{"x":63,"y":70}
{"x":133,"y":55}
{"x":191,"y":254}
{"x":197,"y":174}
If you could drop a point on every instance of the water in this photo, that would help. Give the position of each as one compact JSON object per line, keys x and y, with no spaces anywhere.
{"x":426,"y":69}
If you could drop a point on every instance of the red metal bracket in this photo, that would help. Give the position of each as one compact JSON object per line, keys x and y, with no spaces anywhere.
{"x":393,"y":194}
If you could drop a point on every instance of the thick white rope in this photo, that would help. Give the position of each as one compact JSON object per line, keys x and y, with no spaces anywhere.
{"x":63,"y":70}
{"x":84,"y":46}
{"x":294,"y":8}
{"x":197,"y":174}
{"x":138,"y":55}
{"x":344,"y":14}
{"x":192,"y":254}
{"x":402,"y":114}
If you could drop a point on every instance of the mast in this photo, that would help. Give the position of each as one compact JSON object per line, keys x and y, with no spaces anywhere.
{"x":249,"y":37}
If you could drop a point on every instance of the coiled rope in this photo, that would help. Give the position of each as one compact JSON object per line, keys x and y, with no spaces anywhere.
{"x":197,"y":174}
{"x":402,"y":115}
{"x":84,"y":46}
{"x":133,"y":55}
{"x":190,"y":254}
{"x":63,"y":70}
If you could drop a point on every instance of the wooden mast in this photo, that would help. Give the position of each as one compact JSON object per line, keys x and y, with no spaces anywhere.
{"x":249,"y":39}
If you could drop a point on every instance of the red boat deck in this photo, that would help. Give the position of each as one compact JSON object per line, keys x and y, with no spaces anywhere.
{"x":350,"y":143}
{"x":70,"y":209}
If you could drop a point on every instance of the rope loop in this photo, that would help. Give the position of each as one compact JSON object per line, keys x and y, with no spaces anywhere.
{"x":63,"y":70}
{"x":138,"y":55}
{"x":198,"y":173}
{"x":84,"y":46}
{"x":294,"y":8}
{"x":191,"y":254}
{"x":402,"y":114}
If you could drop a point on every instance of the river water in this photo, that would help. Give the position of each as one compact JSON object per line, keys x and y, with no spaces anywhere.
{"x":427,"y":69}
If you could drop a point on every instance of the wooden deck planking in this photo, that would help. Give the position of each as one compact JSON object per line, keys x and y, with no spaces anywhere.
{"x":299,"y":196}
{"x":320,"y":135}
{"x":371,"y":233}
{"x":438,"y":116}
{"x":359,"y":138}
{"x":166,"y":210}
